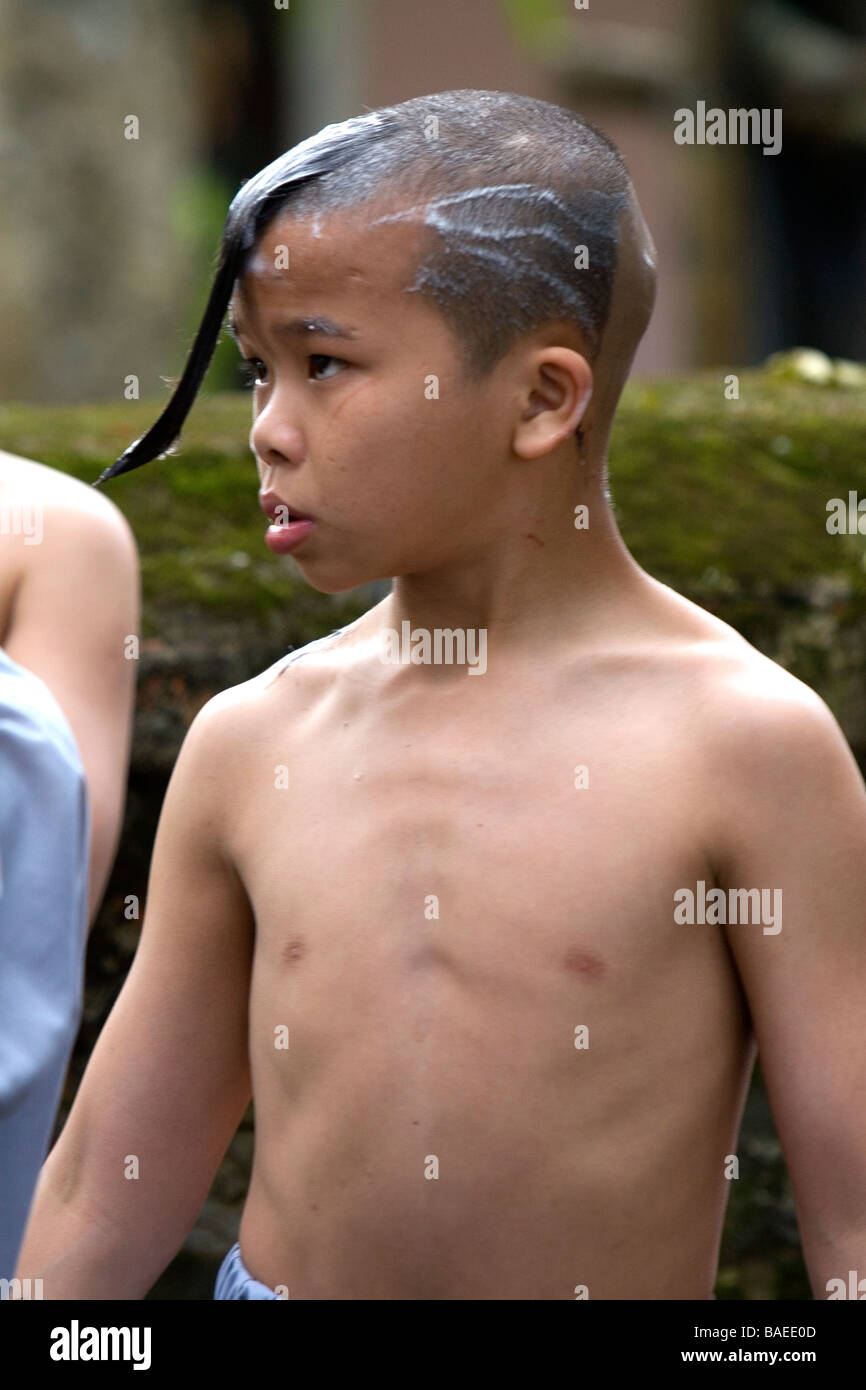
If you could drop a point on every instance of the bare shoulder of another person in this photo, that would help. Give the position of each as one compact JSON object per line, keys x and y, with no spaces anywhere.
{"x":69,"y":549}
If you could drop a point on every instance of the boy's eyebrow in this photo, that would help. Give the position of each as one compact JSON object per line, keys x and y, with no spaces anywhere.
{"x":296,"y":327}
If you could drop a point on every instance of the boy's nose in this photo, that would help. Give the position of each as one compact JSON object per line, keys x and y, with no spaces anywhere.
{"x":273,"y":439}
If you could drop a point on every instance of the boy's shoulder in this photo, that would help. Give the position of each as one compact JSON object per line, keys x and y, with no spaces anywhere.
{"x":300,"y":674}
{"x":745,"y":711}
{"x":719,"y":696}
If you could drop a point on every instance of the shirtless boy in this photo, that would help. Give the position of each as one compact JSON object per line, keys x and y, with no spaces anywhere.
{"x":425,"y":914}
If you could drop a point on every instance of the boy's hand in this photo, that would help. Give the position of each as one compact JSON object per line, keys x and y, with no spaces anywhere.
{"x":168,"y":1081}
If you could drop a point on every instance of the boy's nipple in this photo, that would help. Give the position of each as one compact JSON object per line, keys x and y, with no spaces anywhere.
{"x":293,"y":950}
{"x":579,"y":961}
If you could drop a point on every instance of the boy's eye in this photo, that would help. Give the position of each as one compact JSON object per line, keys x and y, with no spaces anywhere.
{"x":254,"y":371}
{"x":323,"y":357}
{"x":250,"y":368}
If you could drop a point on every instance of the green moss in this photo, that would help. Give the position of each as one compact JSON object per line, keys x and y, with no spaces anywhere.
{"x":724,"y":500}
{"x":740,"y":487}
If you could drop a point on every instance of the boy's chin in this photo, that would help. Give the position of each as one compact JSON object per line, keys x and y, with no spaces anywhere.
{"x":338,"y":581}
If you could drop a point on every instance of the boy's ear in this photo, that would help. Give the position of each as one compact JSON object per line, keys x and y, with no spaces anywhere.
{"x":557,"y":391}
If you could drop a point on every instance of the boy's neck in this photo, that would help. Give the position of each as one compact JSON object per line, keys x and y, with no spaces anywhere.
{"x":530,"y":587}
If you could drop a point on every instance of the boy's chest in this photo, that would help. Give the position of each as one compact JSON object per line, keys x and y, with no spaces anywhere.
{"x":472,"y":845}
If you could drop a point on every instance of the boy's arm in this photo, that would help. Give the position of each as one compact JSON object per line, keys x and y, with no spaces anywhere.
{"x":799,"y":825}
{"x":168,"y":1081}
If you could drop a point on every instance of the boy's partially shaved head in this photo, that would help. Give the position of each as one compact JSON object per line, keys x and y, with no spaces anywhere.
{"x":529,"y":217}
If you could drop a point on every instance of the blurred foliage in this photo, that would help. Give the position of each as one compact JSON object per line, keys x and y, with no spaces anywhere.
{"x":816,"y":369}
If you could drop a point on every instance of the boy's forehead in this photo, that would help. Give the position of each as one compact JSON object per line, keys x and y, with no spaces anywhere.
{"x":357,"y":254}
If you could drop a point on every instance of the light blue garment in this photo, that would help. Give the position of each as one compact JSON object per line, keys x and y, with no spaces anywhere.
{"x":44,"y":851}
{"x":235,"y":1281}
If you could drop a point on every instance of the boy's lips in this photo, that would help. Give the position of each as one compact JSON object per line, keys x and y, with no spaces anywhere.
{"x":282,"y":539}
{"x":282,"y":536}
{"x":274,"y":506}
